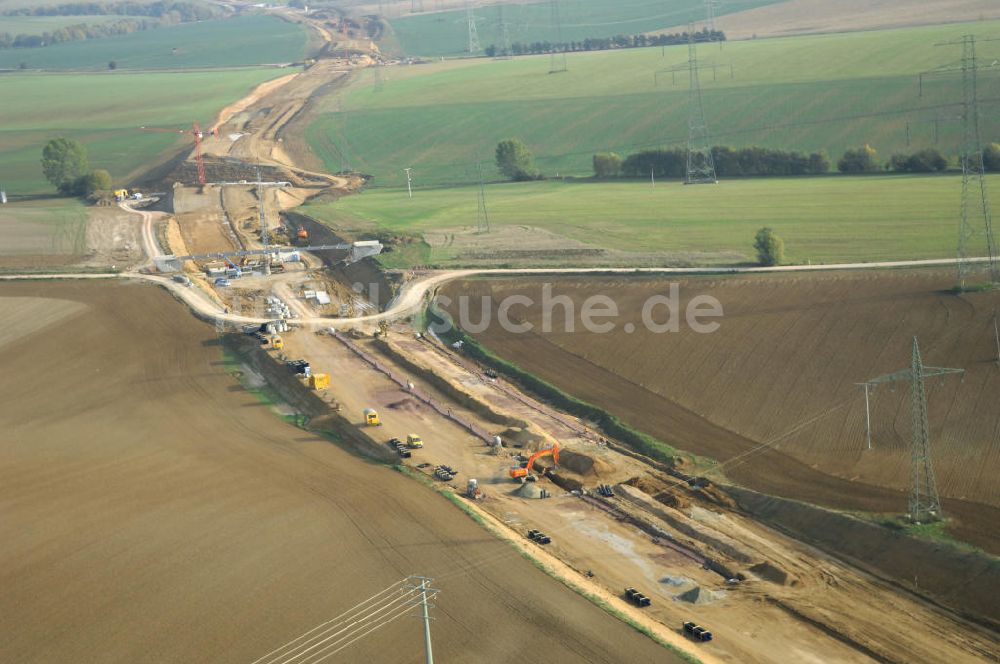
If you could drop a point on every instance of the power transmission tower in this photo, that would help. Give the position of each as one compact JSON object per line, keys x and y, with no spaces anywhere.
{"x":925,"y":504}
{"x":473,"y":46}
{"x":482,"y":215}
{"x":504,"y":52}
{"x":557,"y":60}
{"x":700,"y":163}
{"x":710,"y":11}
{"x":976,"y":224}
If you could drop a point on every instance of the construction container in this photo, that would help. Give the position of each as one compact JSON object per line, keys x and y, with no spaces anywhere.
{"x":319,"y":381}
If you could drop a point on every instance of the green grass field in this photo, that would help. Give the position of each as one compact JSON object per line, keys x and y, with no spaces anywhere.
{"x":231,"y":42}
{"x":104,"y":112}
{"x":51,"y":227}
{"x":822,"y":220}
{"x":826,"y":92}
{"x":446,"y":33}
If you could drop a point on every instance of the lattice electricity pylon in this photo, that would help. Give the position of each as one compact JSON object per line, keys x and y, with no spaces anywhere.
{"x":482,"y":215}
{"x":700,"y":163}
{"x":470,"y":17}
{"x":710,"y":11}
{"x":504,"y":51}
{"x":976,"y":223}
{"x":925,"y":504}
{"x":557,"y":59}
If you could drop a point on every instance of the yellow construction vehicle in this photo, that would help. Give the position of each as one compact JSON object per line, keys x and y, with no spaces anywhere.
{"x":319,"y":381}
{"x":414,"y":441}
{"x":519,"y":473}
{"x":371,"y":418}
{"x":277,"y":343}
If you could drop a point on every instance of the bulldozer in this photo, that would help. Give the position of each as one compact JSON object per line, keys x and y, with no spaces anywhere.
{"x":519,"y":473}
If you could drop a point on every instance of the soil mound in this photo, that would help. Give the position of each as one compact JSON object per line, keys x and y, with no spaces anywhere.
{"x":407,"y":404}
{"x":770,"y":572}
{"x":583,"y":464}
{"x":699,"y":595}
{"x":520,"y":438}
{"x":529,"y":490}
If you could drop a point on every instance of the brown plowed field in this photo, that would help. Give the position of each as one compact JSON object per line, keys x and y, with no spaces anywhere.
{"x":811,"y":16}
{"x":782,"y":371}
{"x":154,"y":511}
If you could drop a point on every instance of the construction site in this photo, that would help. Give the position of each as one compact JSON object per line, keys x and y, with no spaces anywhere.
{"x":300,"y":439}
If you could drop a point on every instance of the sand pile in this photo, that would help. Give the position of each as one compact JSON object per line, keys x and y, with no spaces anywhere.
{"x":699,"y":595}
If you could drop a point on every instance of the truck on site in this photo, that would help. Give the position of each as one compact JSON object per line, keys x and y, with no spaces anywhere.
{"x":413,"y":441}
{"x":277,"y":342}
{"x":182,"y":279}
{"x":696,"y":631}
{"x":372,"y":418}
{"x":524,"y":472}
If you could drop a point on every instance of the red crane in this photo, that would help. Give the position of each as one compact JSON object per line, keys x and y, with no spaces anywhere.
{"x":195,"y":131}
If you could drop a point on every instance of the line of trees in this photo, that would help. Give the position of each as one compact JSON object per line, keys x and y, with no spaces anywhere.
{"x":729,"y":162}
{"x":606,"y":43}
{"x":184,"y":9}
{"x":928,"y":160}
{"x":159,"y":13}
{"x":765,"y":162}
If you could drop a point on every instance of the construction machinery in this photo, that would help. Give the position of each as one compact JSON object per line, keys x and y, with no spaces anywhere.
{"x":277,"y":343}
{"x":198,"y":134}
{"x":372,"y":418}
{"x":522,"y":473}
{"x":472,"y":490}
{"x":302,"y":235}
{"x":319,"y":381}
{"x":414,"y":441}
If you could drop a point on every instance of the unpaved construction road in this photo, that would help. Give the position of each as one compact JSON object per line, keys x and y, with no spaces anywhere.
{"x":152,"y":510}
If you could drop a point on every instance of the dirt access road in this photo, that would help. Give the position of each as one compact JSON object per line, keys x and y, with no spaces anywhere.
{"x":823,"y":611}
{"x":773,"y":395}
{"x":153,"y":510}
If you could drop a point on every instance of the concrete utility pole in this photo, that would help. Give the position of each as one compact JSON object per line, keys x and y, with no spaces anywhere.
{"x":996,"y":333}
{"x":925,"y":504}
{"x":409,"y":182}
{"x":868,"y":415}
{"x":482,"y":215}
{"x":424,"y":589}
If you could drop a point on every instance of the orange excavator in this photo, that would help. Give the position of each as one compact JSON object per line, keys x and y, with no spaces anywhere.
{"x":518,"y":473}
